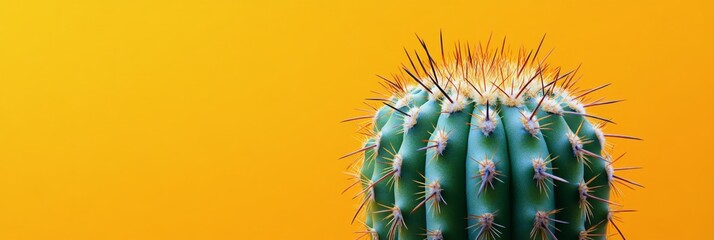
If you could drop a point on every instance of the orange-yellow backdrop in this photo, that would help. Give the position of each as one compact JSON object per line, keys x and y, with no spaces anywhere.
{"x":219,"y":119}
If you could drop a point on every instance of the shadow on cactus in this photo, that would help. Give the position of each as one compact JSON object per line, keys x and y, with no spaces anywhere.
{"x":482,"y":143}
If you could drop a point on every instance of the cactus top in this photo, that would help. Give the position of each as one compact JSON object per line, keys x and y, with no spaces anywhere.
{"x":475,"y":146}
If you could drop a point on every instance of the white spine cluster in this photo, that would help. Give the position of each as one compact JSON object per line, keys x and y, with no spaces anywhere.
{"x":551,"y":105}
{"x":452,"y":107}
{"x":530,"y":124}
{"x":441,"y":139}
{"x":411,"y":119}
{"x":487,"y":124}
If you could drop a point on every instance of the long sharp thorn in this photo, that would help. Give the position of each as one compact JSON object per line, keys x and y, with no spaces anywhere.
{"x":603,"y":200}
{"x":536,"y":108}
{"x":371,"y":186}
{"x":555,"y":177}
{"x":427,"y":147}
{"x":417,"y":80}
{"x":488,"y":43}
{"x":487,"y":107}
{"x":349,"y":187}
{"x":538,"y":49}
{"x":564,"y":75}
{"x":589,"y":153}
{"x":475,"y":89}
{"x":433,"y":70}
{"x":622,"y":136}
{"x":444,"y":92}
{"x":390,"y":82}
{"x":503,"y":45}
{"x":623,"y":210}
{"x":356,"y":118}
{"x":429,"y":58}
{"x":499,"y":88}
{"x":529,"y":82}
{"x":423,"y":68}
{"x":358,"y":151}
{"x":552,"y":235}
{"x":592,"y":90}
{"x":441,"y":43}
{"x":396,"y":109}
{"x":411,"y":62}
{"x":545,"y":58}
{"x":570,"y":79}
{"x":626,"y":168}
{"x":602,"y":103}
{"x":618,"y":229}
{"x":483,"y":185}
{"x":628,"y":181}
{"x":480,"y":232}
{"x":370,"y":106}
{"x":566,"y":83}
{"x":468,"y":50}
{"x":524,"y":63}
{"x":364,"y":202}
{"x":590,"y":116}
{"x":432,"y":195}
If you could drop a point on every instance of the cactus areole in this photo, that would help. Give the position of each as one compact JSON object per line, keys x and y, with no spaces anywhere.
{"x":482,"y":143}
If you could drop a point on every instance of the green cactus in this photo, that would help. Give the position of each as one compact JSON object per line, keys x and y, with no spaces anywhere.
{"x":485,"y":146}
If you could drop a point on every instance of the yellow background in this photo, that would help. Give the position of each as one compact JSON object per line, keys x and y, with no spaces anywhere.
{"x":219,"y":119}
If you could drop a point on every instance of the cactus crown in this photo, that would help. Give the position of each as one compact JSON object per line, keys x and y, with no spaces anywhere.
{"x":485,"y":144}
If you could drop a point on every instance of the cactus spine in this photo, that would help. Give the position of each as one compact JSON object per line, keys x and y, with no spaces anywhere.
{"x":486,"y":145}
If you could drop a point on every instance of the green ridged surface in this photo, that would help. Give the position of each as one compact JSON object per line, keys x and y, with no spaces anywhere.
{"x":391,"y":137}
{"x":492,"y":200}
{"x":514,"y":202}
{"x":381,"y":118}
{"x":568,"y":167}
{"x":596,"y":169}
{"x":448,"y":169}
{"x":527,"y":198}
{"x":366,"y":173}
{"x":383,"y":192}
{"x":413,"y":163}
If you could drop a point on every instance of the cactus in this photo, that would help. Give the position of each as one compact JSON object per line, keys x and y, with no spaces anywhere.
{"x":485,"y":145}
